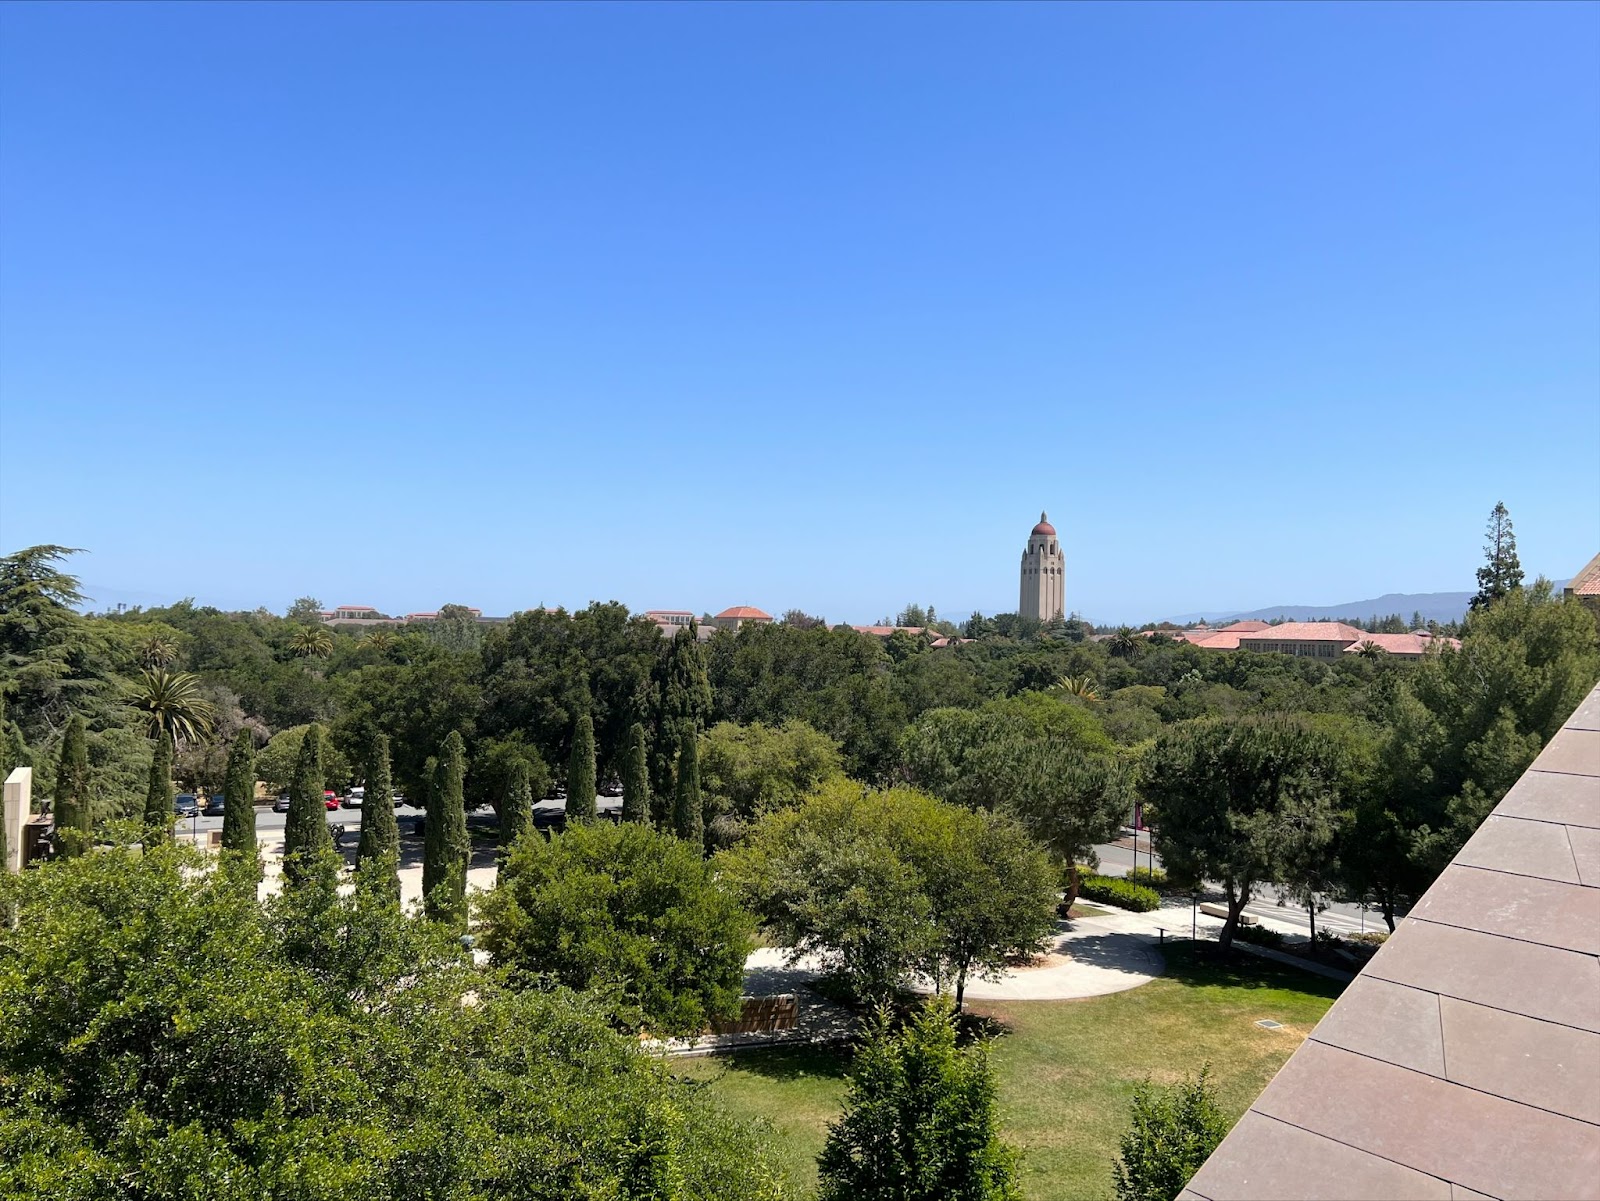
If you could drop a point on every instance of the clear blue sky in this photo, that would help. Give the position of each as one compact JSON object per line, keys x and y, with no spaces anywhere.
{"x":810,"y":306}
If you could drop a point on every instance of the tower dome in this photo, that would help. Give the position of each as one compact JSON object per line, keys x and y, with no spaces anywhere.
{"x":1044,"y":526}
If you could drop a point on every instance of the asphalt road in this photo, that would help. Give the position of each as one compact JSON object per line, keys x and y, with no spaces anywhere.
{"x":1117,"y":860}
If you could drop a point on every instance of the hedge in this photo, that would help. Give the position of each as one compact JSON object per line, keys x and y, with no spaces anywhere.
{"x":1115,"y":891}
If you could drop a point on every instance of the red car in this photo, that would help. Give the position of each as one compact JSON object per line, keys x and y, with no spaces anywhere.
{"x":330,"y":799}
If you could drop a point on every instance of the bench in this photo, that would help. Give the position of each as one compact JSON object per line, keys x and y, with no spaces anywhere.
{"x":1211,"y":909}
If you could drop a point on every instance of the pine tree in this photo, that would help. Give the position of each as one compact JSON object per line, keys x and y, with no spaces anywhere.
{"x":1502,"y":572}
{"x":516,"y":807}
{"x":74,"y":818}
{"x":306,"y":841}
{"x":158,"y":798}
{"x":446,"y":846}
{"x":580,"y":773}
{"x":378,"y":851}
{"x":688,"y":818}
{"x":636,"y":778}
{"x":919,"y":1120}
{"x":683,"y":689}
{"x":239,"y":791}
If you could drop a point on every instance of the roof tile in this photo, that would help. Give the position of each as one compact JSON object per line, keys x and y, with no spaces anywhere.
{"x":1528,"y":848}
{"x":1521,"y":907}
{"x":1269,"y":1158}
{"x":1436,"y":1127}
{"x":1548,"y":797}
{"x":1571,"y":752}
{"x":1389,"y":1022}
{"x":1542,"y":982}
{"x":1538,"y":1063}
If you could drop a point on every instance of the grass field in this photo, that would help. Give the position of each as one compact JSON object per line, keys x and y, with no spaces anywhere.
{"x":1066,"y":1068}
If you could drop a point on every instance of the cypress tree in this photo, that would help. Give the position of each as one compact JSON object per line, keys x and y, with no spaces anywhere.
{"x":446,"y":847}
{"x":239,"y":792}
{"x":688,"y":820}
{"x":635,"y":778}
{"x":516,"y":807}
{"x":74,"y":822}
{"x":581,"y":806}
{"x":378,"y":851}
{"x":158,"y":799}
{"x":305,"y":829}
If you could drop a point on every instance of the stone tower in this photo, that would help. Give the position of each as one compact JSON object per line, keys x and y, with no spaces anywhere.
{"x":1043,"y":579}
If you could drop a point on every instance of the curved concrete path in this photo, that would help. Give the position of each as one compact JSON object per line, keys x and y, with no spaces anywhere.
{"x":1095,"y":956}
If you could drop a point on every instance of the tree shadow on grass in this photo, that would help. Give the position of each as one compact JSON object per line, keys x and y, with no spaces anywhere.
{"x":1205,"y":964}
{"x":794,"y":1063}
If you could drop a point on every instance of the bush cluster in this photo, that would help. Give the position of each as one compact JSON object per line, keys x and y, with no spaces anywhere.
{"x":1115,"y":891}
{"x":1259,"y":935}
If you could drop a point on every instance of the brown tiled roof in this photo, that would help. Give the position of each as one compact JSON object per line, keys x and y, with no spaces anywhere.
{"x":1218,"y":640}
{"x":1465,"y":1060}
{"x":1404,"y":644}
{"x":1587,"y":581}
{"x":1247,"y":627}
{"x":885,"y":631}
{"x":668,"y":613}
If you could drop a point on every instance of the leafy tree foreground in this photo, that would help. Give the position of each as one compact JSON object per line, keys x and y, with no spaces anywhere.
{"x":168,"y":1037}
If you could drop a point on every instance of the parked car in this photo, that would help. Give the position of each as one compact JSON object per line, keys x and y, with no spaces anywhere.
{"x":185,"y":805}
{"x":612,"y":787}
{"x":399,"y":799}
{"x":330,"y":799}
{"x":281,"y":805}
{"x":355,"y":797}
{"x":216,"y":805}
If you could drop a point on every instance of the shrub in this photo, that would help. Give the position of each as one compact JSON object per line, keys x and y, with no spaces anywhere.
{"x":1115,"y":891}
{"x":1259,"y":935}
{"x":1173,"y":1131}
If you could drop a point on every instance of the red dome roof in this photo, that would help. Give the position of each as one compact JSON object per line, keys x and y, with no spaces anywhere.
{"x":1044,"y":527}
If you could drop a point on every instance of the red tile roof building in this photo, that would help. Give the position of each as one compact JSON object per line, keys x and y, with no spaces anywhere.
{"x":1586,"y":585}
{"x":739,"y":615}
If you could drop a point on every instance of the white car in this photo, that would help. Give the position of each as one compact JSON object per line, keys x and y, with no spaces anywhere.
{"x":354,"y":798}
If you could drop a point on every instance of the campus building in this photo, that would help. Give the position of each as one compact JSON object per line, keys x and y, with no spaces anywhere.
{"x":1043,"y":575}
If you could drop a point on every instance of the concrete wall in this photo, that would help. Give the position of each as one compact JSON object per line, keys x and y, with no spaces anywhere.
{"x":16,"y":809}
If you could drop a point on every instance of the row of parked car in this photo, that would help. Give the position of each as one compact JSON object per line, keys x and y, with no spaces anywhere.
{"x":187,"y":804}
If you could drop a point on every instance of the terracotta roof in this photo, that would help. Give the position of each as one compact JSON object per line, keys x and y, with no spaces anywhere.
{"x":1218,"y":640}
{"x":668,"y":613}
{"x":1306,"y":631}
{"x":1044,"y":526}
{"x":1587,"y":581}
{"x":1465,"y":1060}
{"x":354,"y":609}
{"x":744,"y":613}
{"x":1404,"y":644}
{"x":885,"y":631}
{"x":1245,"y":627}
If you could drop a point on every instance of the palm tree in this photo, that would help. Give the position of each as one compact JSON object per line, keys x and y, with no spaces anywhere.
{"x":171,"y":704}
{"x":312,"y":642}
{"x":379,"y":640}
{"x":158,"y":650}
{"x":1081,"y":687}
{"x":1124,"y":644}
{"x":1370,"y":650}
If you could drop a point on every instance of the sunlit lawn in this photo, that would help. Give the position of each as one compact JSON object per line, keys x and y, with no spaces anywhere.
{"x":1066,"y":1068}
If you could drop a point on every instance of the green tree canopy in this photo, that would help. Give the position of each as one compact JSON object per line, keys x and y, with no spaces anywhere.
{"x":306,"y":838}
{"x":581,"y":796}
{"x":748,"y":771}
{"x":378,"y":849}
{"x":688,"y":807}
{"x":239,"y":791}
{"x":1501,"y":573}
{"x":168,"y":1038}
{"x":637,"y":915}
{"x":158,"y":800}
{"x":636,"y":778}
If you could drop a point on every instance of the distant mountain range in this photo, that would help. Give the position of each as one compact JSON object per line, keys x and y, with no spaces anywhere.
{"x":1434,"y":606}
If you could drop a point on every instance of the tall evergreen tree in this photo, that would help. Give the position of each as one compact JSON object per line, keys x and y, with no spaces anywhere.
{"x":74,"y":818}
{"x":158,"y":798}
{"x":688,"y":816}
{"x":378,"y":851}
{"x":306,"y":840}
{"x":1502,"y":571}
{"x":239,"y":793}
{"x":683,"y":699}
{"x":636,"y":778}
{"x":919,"y":1120}
{"x":516,"y":807}
{"x":580,"y":773}
{"x":446,"y":846}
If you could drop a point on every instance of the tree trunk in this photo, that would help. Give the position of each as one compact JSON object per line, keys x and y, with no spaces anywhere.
{"x":961,"y":987}
{"x":1073,"y":884}
{"x":1311,"y":911}
{"x":1388,"y":912}
{"x":1237,"y":899}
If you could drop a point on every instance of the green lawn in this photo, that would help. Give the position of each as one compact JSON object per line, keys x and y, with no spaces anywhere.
{"x":1066,"y":1068}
